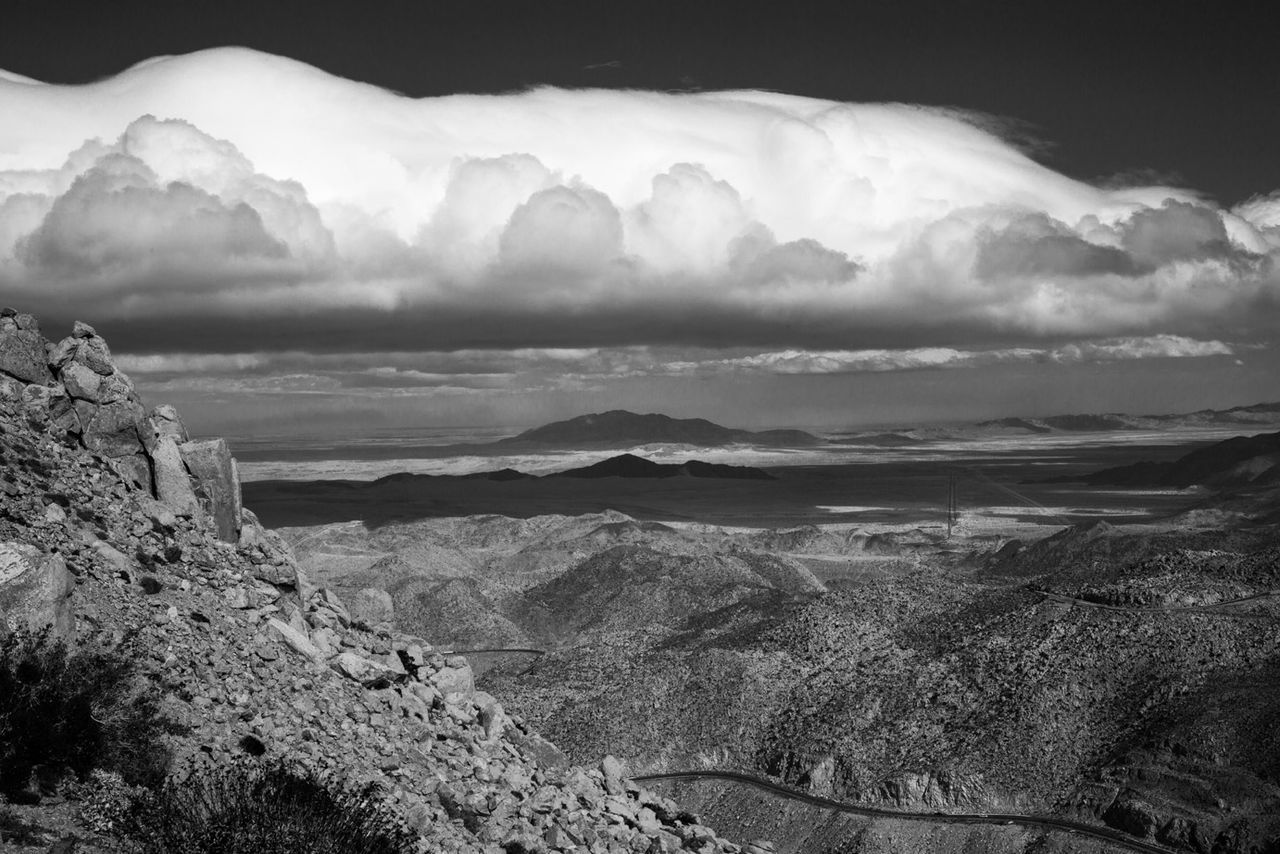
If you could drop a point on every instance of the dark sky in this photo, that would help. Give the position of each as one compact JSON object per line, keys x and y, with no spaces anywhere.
{"x":1183,"y":92}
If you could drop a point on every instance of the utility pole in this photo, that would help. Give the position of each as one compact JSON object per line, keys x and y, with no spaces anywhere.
{"x":953,"y":514}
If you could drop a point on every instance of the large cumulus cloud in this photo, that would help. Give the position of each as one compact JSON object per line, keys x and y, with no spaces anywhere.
{"x":219,"y":199}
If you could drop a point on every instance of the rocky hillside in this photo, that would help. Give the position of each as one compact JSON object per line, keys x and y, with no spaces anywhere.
{"x":1071,"y":677}
{"x":993,"y":690}
{"x":122,"y":533}
{"x":1235,"y":462}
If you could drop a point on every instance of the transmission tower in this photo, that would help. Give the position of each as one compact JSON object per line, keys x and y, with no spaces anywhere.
{"x":953,"y":510}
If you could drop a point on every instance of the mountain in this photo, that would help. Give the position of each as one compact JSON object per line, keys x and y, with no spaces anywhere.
{"x":619,"y":428}
{"x":1238,"y":461}
{"x":629,"y":465}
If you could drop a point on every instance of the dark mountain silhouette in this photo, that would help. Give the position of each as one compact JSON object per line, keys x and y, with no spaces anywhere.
{"x":619,"y":427}
{"x":629,"y":465}
{"x":1234,"y":462}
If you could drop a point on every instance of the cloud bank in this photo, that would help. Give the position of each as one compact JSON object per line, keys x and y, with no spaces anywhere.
{"x":220,"y":200}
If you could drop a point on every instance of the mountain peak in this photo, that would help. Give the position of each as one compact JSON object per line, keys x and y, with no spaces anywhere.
{"x":622,"y":428}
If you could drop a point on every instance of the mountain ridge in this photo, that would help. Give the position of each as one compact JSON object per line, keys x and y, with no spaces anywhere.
{"x":619,"y":427}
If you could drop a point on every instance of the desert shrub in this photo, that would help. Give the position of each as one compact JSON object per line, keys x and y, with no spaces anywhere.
{"x":247,"y":808}
{"x":14,"y":830}
{"x":106,"y":801}
{"x":69,"y":711}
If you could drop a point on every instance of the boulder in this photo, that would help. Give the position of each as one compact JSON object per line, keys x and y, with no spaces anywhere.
{"x":172,"y":483}
{"x":614,"y":775}
{"x":61,"y":353}
{"x":164,"y":421}
{"x":81,"y":382}
{"x":361,"y":669}
{"x":22,"y":351}
{"x":93,"y":352}
{"x":371,"y":606}
{"x":113,"y":429}
{"x":35,"y":589}
{"x":456,"y":679}
{"x":211,"y":464}
{"x":296,"y":640}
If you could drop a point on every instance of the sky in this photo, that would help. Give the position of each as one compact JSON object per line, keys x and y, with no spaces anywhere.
{"x":327,"y":218}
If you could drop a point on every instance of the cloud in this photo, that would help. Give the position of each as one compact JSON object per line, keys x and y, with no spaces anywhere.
{"x":794,"y":362}
{"x":227,"y":198}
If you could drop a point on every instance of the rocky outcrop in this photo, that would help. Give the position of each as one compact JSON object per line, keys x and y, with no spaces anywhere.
{"x":217,"y":483}
{"x":22,"y":349}
{"x":254,"y":659}
{"x":74,"y":388}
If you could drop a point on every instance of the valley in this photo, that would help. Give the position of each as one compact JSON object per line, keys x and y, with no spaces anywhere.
{"x":1039,"y":662}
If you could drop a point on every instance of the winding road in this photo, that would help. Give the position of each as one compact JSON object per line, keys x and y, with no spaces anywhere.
{"x":525,"y":651}
{"x":1042,"y":822}
{"x":1218,"y":609}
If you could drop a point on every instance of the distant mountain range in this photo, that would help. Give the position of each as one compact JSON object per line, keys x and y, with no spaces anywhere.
{"x":629,"y":465}
{"x":620,"y":428}
{"x":623,"y":465}
{"x":1255,"y":415}
{"x":1239,"y":461}
{"x":1258,"y":413}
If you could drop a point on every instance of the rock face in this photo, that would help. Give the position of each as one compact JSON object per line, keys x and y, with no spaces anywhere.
{"x":22,"y":352}
{"x":211,"y":464}
{"x":255,"y":659}
{"x":35,"y":590}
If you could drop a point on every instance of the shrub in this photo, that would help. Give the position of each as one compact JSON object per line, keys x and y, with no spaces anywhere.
{"x":247,"y":808}
{"x":70,"y":711}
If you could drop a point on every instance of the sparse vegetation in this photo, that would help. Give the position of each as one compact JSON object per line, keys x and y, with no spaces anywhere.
{"x":65,"y":712}
{"x":247,"y":808}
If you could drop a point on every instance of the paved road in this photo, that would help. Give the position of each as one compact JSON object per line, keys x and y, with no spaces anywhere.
{"x":478,"y":651}
{"x":1042,"y":822}
{"x":1216,"y":609}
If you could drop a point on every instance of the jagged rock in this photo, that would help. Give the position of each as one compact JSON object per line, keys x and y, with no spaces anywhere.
{"x":254,"y":596}
{"x":112,"y":429}
{"x":211,"y":464}
{"x":35,"y":589}
{"x":61,"y":353}
{"x":361,"y":669}
{"x":22,"y":352}
{"x":172,"y":483}
{"x":81,"y":382}
{"x":296,"y":640}
{"x":325,"y":599}
{"x":371,"y":606}
{"x":93,"y":352}
{"x":164,"y":422}
{"x":115,"y":560}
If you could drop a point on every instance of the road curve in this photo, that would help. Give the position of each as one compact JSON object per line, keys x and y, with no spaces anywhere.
{"x":537,"y":652}
{"x":1217,"y":609}
{"x":1044,"y":822}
